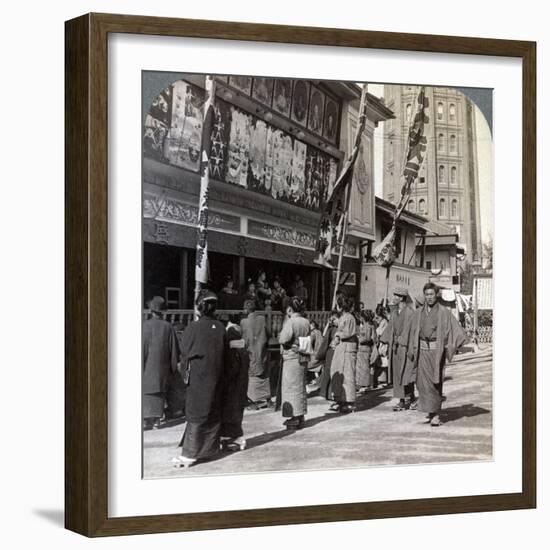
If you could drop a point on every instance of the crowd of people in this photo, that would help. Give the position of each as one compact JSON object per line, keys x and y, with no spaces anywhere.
{"x":223,"y":363}
{"x":267,"y":296}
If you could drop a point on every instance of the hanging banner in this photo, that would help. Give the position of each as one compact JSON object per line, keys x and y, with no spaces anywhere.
{"x":239,"y":148}
{"x":184,"y":142}
{"x":201,"y":263}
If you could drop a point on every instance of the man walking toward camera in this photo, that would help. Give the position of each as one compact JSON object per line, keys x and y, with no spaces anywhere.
{"x":396,"y":337}
{"x":434,"y":339}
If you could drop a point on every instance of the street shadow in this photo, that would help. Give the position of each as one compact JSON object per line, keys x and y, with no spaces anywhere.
{"x":372,"y":399}
{"x":57,"y":517}
{"x":465,"y":350}
{"x":463,"y":411}
{"x":364,"y":402}
{"x":259,"y":440}
{"x":173,"y":422}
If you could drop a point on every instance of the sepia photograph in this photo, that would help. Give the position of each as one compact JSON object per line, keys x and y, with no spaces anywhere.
{"x":317,"y":274}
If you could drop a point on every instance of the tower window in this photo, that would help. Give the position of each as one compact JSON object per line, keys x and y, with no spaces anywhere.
{"x":440,"y":111}
{"x":442,"y":208}
{"x":454,"y":208}
{"x":452,"y":111}
{"x":422,"y":206}
{"x":452,"y":144}
{"x":441,"y":173}
{"x":440,"y":142}
{"x":453,"y":174}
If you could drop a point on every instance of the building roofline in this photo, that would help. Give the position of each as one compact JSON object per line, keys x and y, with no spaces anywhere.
{"x":412,"y":217}
{"x":352,"y":91}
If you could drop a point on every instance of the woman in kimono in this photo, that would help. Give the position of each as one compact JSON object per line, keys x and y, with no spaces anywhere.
{"x":251,"y":295}
{"x":344,"y":359}
{"x":279,"y":299}
{"x":204,"y":349}
{"x":293,"y":382}
{"x":263,"y":292}
{"x":366,"y":352}
{"x":229,"y":297}
{"x":256,"y":336}
{"x":325,"y":354}
{"x":435,"y":335}
{"x":315,"y":365}
{"x":235,"y":387}
{"x":381,"y":368}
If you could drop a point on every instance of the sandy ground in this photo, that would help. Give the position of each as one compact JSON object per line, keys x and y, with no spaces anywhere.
{"x":374,"y":435}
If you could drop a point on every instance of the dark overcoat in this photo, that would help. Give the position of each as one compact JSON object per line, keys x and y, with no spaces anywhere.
{"x":160,"y":354}
{"x":396,"y":335}
{"x":204,"y":349}
{"x":235,"y":384}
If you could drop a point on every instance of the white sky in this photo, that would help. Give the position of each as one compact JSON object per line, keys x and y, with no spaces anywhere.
{"x":485,"y":165}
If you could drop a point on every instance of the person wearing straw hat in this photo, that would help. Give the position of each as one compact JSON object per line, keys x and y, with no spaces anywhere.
{"x":204,"y":350}
{"x":160,"y":360}
{"x":396,"y":336}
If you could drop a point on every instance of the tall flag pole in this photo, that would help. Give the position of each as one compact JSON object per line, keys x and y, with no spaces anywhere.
{"x":385,"y":254}
{"x":342,"y":243}
{"x":201,"y":262}
{"x":336,"y":205}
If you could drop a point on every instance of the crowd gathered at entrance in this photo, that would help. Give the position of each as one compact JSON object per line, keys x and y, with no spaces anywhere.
{"x":266,"y":295}
{"x":223,"y":364}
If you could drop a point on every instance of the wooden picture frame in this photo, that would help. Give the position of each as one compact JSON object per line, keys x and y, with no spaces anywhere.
{"x":86,"y":282}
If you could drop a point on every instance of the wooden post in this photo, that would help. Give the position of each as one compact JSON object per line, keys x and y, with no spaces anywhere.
{"x":323,"y":289}
{"x":476,"y":314}
{"x":343,"y":237}
{"x":387,"y":286}
{"x":184,"y":266}
{"x":242,"y":274}
{"x":340,"y":257}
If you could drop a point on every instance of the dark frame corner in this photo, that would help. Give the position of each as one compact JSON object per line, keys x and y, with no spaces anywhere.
{"x":86,"y":316}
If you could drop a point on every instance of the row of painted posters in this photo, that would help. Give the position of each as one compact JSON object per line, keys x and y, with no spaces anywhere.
{"x":157,"y":124}
{"x":183,"y":144}
{"x":248,"y":152}
{"x":296,"y":99}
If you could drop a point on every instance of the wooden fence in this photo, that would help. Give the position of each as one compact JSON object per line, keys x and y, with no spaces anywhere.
{"x":485,"y":335}
{"x":274,"y":319}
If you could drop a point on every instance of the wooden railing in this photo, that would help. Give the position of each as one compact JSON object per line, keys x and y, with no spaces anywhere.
{"x":274,"y":319}
{"x":485,"y":335}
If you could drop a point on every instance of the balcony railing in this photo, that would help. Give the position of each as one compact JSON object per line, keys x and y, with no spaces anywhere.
{"x":274,"y":319}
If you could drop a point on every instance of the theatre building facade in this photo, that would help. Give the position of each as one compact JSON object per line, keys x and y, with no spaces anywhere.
{"x":277,"y":146}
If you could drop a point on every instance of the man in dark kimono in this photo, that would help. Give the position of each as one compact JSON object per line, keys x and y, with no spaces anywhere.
{"x":435,"y":335}
{"x":396,"y":336}
{"x":204,"y":349}
{"x":326,"y":353}
{"x":160,"y":361}
{"x":235,"y":386}
{"x":256,"y":336}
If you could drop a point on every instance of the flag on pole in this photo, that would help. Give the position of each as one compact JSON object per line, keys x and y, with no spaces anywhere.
{"x":416,"y":147}
{"x":336,"y":204}
{"x":201,"y":263}
{"x":385,"y":254}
